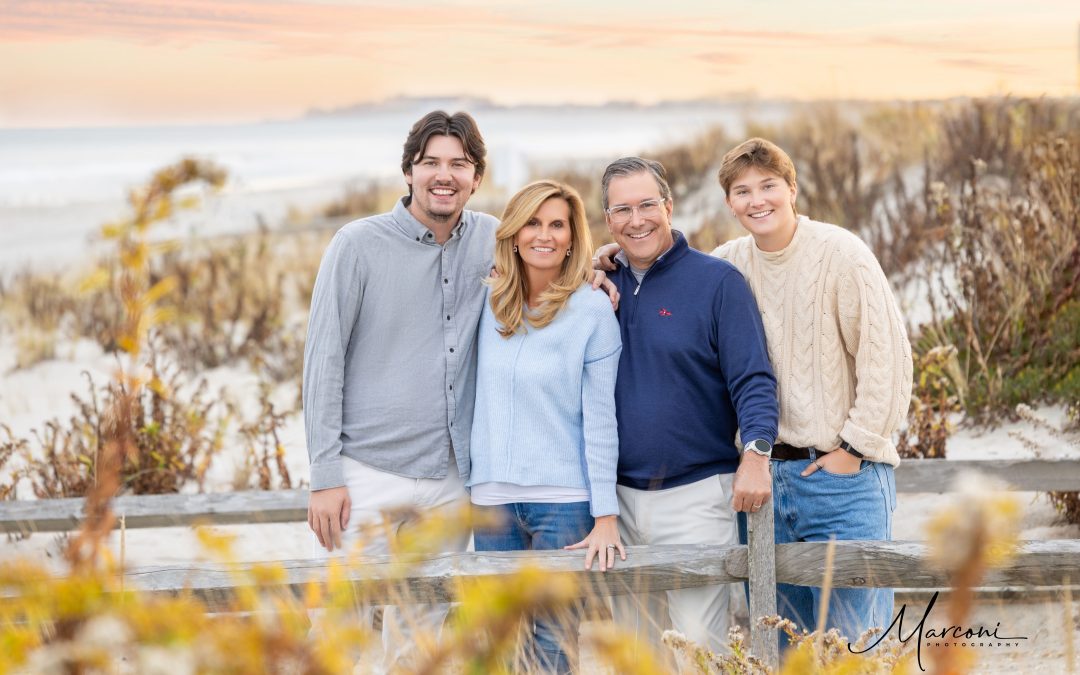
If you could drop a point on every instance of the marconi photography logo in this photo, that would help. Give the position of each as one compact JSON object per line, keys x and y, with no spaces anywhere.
{"x":976,"y":636}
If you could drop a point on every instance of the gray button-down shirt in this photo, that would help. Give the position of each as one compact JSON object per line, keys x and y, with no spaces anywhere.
{"x":390,"y":361}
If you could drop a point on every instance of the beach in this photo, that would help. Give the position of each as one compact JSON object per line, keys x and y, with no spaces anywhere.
{"x":57,"y":189}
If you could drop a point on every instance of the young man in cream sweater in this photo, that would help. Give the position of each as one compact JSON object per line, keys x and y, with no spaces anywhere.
{"x":843,"y":368}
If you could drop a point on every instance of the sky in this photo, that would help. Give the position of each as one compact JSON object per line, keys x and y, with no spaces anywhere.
{"x":122,"y":62}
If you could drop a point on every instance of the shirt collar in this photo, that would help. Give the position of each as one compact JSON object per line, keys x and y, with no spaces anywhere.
{"x":677,"y":246}
{"x":414,"y":229}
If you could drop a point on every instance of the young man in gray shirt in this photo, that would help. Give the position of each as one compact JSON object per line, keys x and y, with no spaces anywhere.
{"x":390,"y":361}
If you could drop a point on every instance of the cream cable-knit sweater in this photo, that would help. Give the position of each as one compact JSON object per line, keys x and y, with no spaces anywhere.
{"x":836,"y":339}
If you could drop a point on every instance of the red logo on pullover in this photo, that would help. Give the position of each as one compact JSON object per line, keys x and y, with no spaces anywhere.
{"x":664,"y":312}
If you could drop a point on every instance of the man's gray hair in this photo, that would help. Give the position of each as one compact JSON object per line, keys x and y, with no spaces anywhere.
{"x":629,"y":166}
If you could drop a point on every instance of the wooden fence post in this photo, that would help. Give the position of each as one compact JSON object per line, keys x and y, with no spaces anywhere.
{"x":761,"y":560}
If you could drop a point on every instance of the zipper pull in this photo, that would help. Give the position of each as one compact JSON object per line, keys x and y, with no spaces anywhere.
{"x":637,"y":289}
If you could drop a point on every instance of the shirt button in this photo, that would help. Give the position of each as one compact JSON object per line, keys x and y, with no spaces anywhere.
{"x":446,"y":281}
{"x":447,"y":317}
{"x":451,"y":350}
{"x":451,"y":387}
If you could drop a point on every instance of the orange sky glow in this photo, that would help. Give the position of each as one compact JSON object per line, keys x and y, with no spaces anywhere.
{"x":79,"y":62}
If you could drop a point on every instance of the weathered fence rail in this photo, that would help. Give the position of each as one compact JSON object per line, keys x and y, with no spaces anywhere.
{"x":897,"y":564}
{"x":219,"y":508}
{"x":280,"y":506}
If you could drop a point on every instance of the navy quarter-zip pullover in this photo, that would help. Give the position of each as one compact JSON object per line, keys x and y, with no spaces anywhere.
{"x":694,"y":369}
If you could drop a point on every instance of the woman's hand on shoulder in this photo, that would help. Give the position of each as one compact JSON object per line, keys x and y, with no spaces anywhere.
{"x":602,"y":543}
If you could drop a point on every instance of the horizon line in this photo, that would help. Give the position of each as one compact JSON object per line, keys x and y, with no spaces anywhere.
{"x":389,"y":104}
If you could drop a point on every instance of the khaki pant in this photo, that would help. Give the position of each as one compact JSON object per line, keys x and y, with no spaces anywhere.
{"x":698,"y":513}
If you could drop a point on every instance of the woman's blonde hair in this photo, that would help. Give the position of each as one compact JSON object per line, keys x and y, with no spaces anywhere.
{"x":509,"y":291}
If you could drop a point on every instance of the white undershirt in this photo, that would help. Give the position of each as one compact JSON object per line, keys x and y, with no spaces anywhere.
{"x":493,"y":494}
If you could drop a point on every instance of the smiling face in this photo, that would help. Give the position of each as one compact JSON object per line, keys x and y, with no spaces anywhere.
{"x":545,"y":238}
{"x":644,"y":237}
{"x":442,"y":179}
{"x":764,"y":204}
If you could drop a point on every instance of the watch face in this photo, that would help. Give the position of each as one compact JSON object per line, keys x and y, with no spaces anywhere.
{"x":761,"y":447}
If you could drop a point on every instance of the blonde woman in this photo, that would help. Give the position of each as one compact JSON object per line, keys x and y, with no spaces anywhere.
{"x":544,"y":447}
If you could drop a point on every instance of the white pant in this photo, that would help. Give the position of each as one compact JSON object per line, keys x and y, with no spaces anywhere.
{"x":375,"y":495}
{"x":697,"y":513}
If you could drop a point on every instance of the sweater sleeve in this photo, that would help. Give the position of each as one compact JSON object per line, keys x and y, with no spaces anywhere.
{"x":874,"y":335}
{"x":744,"y":360}
{"x":598,"y":413}
{"x":335,"y":305}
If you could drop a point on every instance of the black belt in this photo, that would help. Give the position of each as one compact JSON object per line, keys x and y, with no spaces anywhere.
{"x":783,"y":451}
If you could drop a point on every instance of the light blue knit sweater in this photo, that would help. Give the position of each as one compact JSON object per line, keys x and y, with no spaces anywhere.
{"x":545,"y":402}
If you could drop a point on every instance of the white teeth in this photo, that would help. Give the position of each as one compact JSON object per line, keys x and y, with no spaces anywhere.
{"x":541,"y":249}
{"x":640,"y":236}
{"x":444,"y":192}
{"x":760,"y":214}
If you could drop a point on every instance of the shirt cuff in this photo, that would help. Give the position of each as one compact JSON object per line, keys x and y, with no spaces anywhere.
{"x":874,"y":447}
{"x":602,"y":500}
{"x":755,"y":435}
{"x":326,"y":475}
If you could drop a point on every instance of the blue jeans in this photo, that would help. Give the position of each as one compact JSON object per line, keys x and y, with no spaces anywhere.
{"x":527,"y":526}
{"x":851,"y":507}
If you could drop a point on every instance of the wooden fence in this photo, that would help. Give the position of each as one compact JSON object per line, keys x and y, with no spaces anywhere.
{"x":894,"y":564}
{"x":285,"y":506}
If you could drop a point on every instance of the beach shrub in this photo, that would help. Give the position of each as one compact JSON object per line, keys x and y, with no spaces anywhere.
{"x":232,"y":303}
{"x":127,"y":276}
{"x":9,"y":447}
{"x":1008,"y":274}
{"x":937,"y":392}
{"x":822,"y":652}
{"x":34,"y":308}
{"x":264,"y":453}
{"x":174,"y":435}
{"x":1068,"y":503}
{"x":692,"y":165}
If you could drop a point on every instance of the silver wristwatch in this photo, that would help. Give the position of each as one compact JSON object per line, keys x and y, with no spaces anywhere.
{"x":760,"y":447}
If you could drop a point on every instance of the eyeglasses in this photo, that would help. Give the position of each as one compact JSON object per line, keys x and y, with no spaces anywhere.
{"x":621,"y":214}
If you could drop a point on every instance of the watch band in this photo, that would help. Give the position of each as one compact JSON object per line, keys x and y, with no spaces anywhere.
{"x":845,"y":446}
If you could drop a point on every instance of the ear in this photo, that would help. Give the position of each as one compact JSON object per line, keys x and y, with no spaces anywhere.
{"x":670,"y":204}
{"x":408,"y":177}
{"x":477,"y":179}
{"x":794,"y":193}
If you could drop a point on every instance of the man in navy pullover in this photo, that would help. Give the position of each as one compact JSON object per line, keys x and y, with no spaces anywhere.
{"x":694,"y":370}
